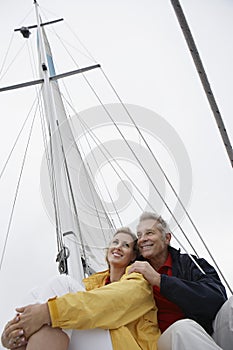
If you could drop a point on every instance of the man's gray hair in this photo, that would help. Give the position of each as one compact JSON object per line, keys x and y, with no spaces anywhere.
{"x":160,"y":222}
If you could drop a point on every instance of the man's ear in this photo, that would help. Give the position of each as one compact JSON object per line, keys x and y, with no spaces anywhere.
{"x":168,"y":238}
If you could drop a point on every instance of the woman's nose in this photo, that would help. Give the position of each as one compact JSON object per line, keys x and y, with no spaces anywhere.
{"x":119,"y":245}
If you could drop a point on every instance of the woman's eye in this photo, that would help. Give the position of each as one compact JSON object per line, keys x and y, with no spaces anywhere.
{"x":126,"y":245}
{"x":115,"y":242}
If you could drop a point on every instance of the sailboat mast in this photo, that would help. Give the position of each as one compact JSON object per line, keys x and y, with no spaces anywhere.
{"x":203,"y":77}
{"x":65,"y":220}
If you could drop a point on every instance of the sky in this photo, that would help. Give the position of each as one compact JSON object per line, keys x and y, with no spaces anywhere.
{"x":142,"y":51}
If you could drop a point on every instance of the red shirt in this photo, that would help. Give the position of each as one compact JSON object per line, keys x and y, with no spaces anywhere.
{"x":168,"y":312}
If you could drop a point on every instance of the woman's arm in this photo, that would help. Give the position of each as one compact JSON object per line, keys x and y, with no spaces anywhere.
{"x":108,"y":307}
{"x":31,"y":318}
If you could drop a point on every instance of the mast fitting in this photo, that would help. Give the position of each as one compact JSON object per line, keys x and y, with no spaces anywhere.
{"x":62,"y":257}
{"x":25,"y":32}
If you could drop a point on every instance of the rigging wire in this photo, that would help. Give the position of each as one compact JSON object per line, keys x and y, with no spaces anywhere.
{"x":7,"y":52}
{"x":105,"y":148}
{"x":9,"y":46}
{"x":25,"y":17}
{"x":214,"y":107}
{"x":107,"y":215}
{"x":104,"y":108}
{"x":16,"y":140}
{"x":73,"y":200}
{"x":111,"y":222}
{"x":16,"y":193}
{"x":91,"y":191}
{"x":60,"y":243}
{"x":109,"y":162}
{"x":173,"y":190}
{"x":102,"y":178}
{"x":191,"y":221}
{"x":59,"y":236}
{"x":149,"y":177}
{"x":72,"y":194}
{"x":89,"y":55}
{"x":157,"y":163}
{"x":178,"y":241}
{"x":140,"y":163}
{"x":90,"y":173}
{"x":13,"y":60}
{"x":191,"y":257}
{"x":55,"y":193}
{"x":114,"y":123}
{"x":62,"y":41}
{"x":179,"y":200}
{"x":98,"y":142}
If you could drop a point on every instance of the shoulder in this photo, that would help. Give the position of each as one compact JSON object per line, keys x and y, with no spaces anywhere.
{"x":132,"y":276}
{"x":96,"y":280}
{"x":184,"y":264}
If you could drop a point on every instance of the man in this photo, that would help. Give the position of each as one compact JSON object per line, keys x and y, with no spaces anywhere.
{"x":187,"y":291}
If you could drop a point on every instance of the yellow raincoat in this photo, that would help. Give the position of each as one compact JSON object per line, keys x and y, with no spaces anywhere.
{"x":125,"y":307}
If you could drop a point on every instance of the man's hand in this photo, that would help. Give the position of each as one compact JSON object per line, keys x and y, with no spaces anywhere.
{"x":12,"y":336}
{"x":33,"y":317}
{"x":149,"y":273}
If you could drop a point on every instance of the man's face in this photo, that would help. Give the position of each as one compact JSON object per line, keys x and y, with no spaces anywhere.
{"x":151,"y":242}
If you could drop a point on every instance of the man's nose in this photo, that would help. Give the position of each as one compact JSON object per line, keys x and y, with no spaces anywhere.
{"x":142,"y":237}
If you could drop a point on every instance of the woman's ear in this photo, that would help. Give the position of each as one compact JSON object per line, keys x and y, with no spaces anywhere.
{"x":134,"y":257}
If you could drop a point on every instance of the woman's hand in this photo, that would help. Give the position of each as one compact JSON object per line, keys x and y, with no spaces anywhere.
{"x":12,"y":336}
{"x":33,"y":317}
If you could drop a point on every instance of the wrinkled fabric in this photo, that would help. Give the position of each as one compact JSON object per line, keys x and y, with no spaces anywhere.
{"x":223,"y":326}
{"x":186,"y":335}
{"x":125,"y":307}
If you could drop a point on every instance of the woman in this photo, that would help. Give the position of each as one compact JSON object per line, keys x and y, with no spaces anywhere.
{"x":114,"y":300}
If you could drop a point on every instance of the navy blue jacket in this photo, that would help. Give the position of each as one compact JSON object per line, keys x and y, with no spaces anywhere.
{"x":199,"y":295}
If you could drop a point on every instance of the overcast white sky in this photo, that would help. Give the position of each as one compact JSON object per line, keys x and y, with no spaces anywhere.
{"x":141,"y":48}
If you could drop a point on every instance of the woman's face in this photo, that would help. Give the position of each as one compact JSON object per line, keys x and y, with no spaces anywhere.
{"x":121,"y":250}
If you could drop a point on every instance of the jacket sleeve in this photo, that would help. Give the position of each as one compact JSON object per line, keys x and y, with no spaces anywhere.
{"x":108,"y":307}
{"x":198,"y":295}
